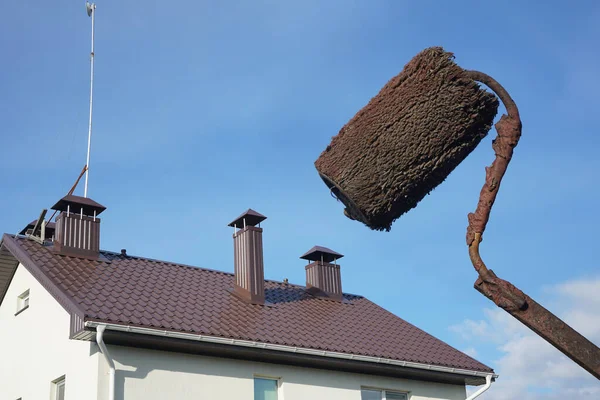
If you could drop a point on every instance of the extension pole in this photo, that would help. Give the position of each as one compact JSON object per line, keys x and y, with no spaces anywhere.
{"x":91,"y":10}
{"x":503,"y":293}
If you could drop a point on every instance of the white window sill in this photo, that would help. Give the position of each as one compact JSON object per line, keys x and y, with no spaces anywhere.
{"x":21,"y":310}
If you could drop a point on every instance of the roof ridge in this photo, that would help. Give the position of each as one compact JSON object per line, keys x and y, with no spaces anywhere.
{"x":155,"y":260}
{"x":113,"y":253}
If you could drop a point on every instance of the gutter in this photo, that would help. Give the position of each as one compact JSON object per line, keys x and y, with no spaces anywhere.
{"x":289,"y":349}
{"x":111,"y":365}
{"x":488,"y":383}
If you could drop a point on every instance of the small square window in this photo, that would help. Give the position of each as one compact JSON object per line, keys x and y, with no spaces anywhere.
{"x":58,"y":389}
{"x":265,"y":389}
{"x":389,"y":395}
{"x":376,"y":394}
{"x":23,"y":301}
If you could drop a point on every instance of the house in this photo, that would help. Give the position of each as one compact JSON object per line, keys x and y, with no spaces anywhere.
{"x":77,"y":322}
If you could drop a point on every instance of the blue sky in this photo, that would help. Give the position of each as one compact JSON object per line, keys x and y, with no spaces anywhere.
{"x":203,"y":110}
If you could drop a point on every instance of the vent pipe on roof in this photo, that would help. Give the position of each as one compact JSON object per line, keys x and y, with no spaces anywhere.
{"x":323,"y":279}
{"x":77,"y":228}
{"x":248,"y":257}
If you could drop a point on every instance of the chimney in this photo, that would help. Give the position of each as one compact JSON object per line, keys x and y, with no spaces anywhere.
{"x":323,"y":279}
{"x":77,"y":228}
{"x":248,"y":257}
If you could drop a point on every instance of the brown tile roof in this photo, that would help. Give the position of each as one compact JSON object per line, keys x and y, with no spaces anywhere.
{"x":156,"y":294}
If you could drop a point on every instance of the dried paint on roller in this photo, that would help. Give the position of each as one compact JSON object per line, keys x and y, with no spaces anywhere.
{"x":407,"y":139}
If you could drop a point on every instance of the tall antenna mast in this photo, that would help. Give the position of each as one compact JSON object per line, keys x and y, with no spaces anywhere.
{"x":91,"y":12}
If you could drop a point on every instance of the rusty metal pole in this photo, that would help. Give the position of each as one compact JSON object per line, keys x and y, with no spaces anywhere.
{"x":501,"y":292}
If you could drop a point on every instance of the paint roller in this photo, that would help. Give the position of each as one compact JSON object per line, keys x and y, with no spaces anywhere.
{"x":408,"y":139}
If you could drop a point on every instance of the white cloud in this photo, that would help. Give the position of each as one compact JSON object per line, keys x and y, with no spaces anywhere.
{"x":470,"y":351}
{"x":470,"y":329}
{"x":529,"y":367}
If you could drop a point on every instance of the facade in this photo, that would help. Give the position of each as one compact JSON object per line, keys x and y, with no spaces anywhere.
{"x":35,"y":347}
{"x":80,"y":323}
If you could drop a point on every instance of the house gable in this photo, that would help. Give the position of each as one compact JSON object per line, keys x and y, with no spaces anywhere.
{"x":11,"y":255}
{"x":34,"y":342}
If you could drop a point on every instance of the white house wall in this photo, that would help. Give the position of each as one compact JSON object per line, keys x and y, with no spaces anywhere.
{"x":158,"y":375}
{"x":35,"y":348}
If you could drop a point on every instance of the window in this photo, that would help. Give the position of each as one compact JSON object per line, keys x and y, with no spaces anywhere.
{"x":23,"y":301}
{"x":373,"y":394}
{"x":58,"y":389}
{"x":265,"y":389}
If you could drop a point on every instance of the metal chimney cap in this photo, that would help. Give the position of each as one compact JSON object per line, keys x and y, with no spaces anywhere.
{"x":252,"y":218}
{"x":76,"y":203}
{"x":319,"y":253}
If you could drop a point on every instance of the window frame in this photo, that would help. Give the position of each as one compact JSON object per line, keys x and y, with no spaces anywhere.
{"x":23,"y":301}
{"x":56,"y":384}
{"x":277,"y":380}
{"x":383,"y":392}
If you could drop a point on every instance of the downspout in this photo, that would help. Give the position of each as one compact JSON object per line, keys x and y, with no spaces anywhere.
{"x":111,"y":365}
{"x":488,"y":383}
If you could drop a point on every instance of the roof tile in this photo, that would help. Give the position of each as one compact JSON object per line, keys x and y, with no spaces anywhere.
{"x":144,"y":292}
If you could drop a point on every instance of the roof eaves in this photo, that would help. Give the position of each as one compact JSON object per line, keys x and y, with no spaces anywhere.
{"x":288,"y":349}
{"x":59,"y":295}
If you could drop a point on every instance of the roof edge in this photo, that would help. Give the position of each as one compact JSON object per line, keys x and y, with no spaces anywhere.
{"x":288,"y":349}
{"x":429,"y":334}
{"x":13,"y":267}
{"x":23,"y":258}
